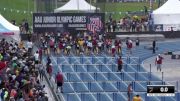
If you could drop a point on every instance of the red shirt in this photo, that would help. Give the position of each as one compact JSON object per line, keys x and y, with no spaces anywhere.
{"x":129,"y":45}
{"x":159,"y":60}
{"x":94,"y":43}
{"x":40,"y":52}
{"x":2,"y":65}
{"x":60,"y":45}
{"x":51,"y":43}
{"x":59,"y":77}
{"x":113,"y":50}
{"x":116,"y":43}
{"x":49,"y":69}
{"x":120,"y":62}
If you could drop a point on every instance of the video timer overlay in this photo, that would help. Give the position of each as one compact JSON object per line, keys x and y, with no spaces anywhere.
{"x":160,"y":89}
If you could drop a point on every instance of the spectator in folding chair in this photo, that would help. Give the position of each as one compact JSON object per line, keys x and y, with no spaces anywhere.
{"x":129,"y":89}
{"x":59,"y":81}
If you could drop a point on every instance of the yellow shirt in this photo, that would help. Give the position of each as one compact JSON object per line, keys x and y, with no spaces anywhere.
{"x":17,"y":72}
{"x":89,"y":37}
{"x":21,"y":45}
{"x":137,"y":98}
{"x":81,"y":43}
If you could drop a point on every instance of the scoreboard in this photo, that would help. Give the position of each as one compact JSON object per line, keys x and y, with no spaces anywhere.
{"x":160,"y":90}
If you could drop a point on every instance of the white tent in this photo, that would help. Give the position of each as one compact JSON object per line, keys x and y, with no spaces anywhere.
{"x":8,"y":30}
{"x":168,"y":13}
{"x":76,"y":5}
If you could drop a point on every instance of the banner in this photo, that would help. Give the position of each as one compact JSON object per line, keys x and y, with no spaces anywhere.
{"x":68,"y":22}
{"x":171,"y":27}
{"x":158,"y":28}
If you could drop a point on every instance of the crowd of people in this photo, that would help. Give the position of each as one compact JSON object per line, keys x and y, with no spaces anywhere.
{"x":84,"y":43}
{"x":19,"y":74}
{"x":22,"y":69}
{"x":24,"y":26}
{"x":127,"y":24}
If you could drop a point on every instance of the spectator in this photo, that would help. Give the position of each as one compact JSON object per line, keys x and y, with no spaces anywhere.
{"x":3,"y":65}
{"x":29,"y":46}
{"x":158,"y":62}
{"x":129,"y":47}
{"x":21,"y":44}
{"x":129,"y":91}
{"x":149,"y":83}
{"x":40,"y":51}
{"x":154,"y":46}
{"x":137,"y":98}
{"x":1,"y":57}
{"x":59,"y":81}
{"x":100,"y":46}
{"x":113,"y":50}
{"x":48,"y":60}
{"x":36,"y":57}
{"x":114,"y":25}
{"x":68,"y":49}
{"x":137,"y":42}
{"x":118,"y":45}
{"x":120,"y":63}
{"x":49,"y":70}
{"x":41,"y":71}
{"x":20,"y":76}
{"x":51,"y":44}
